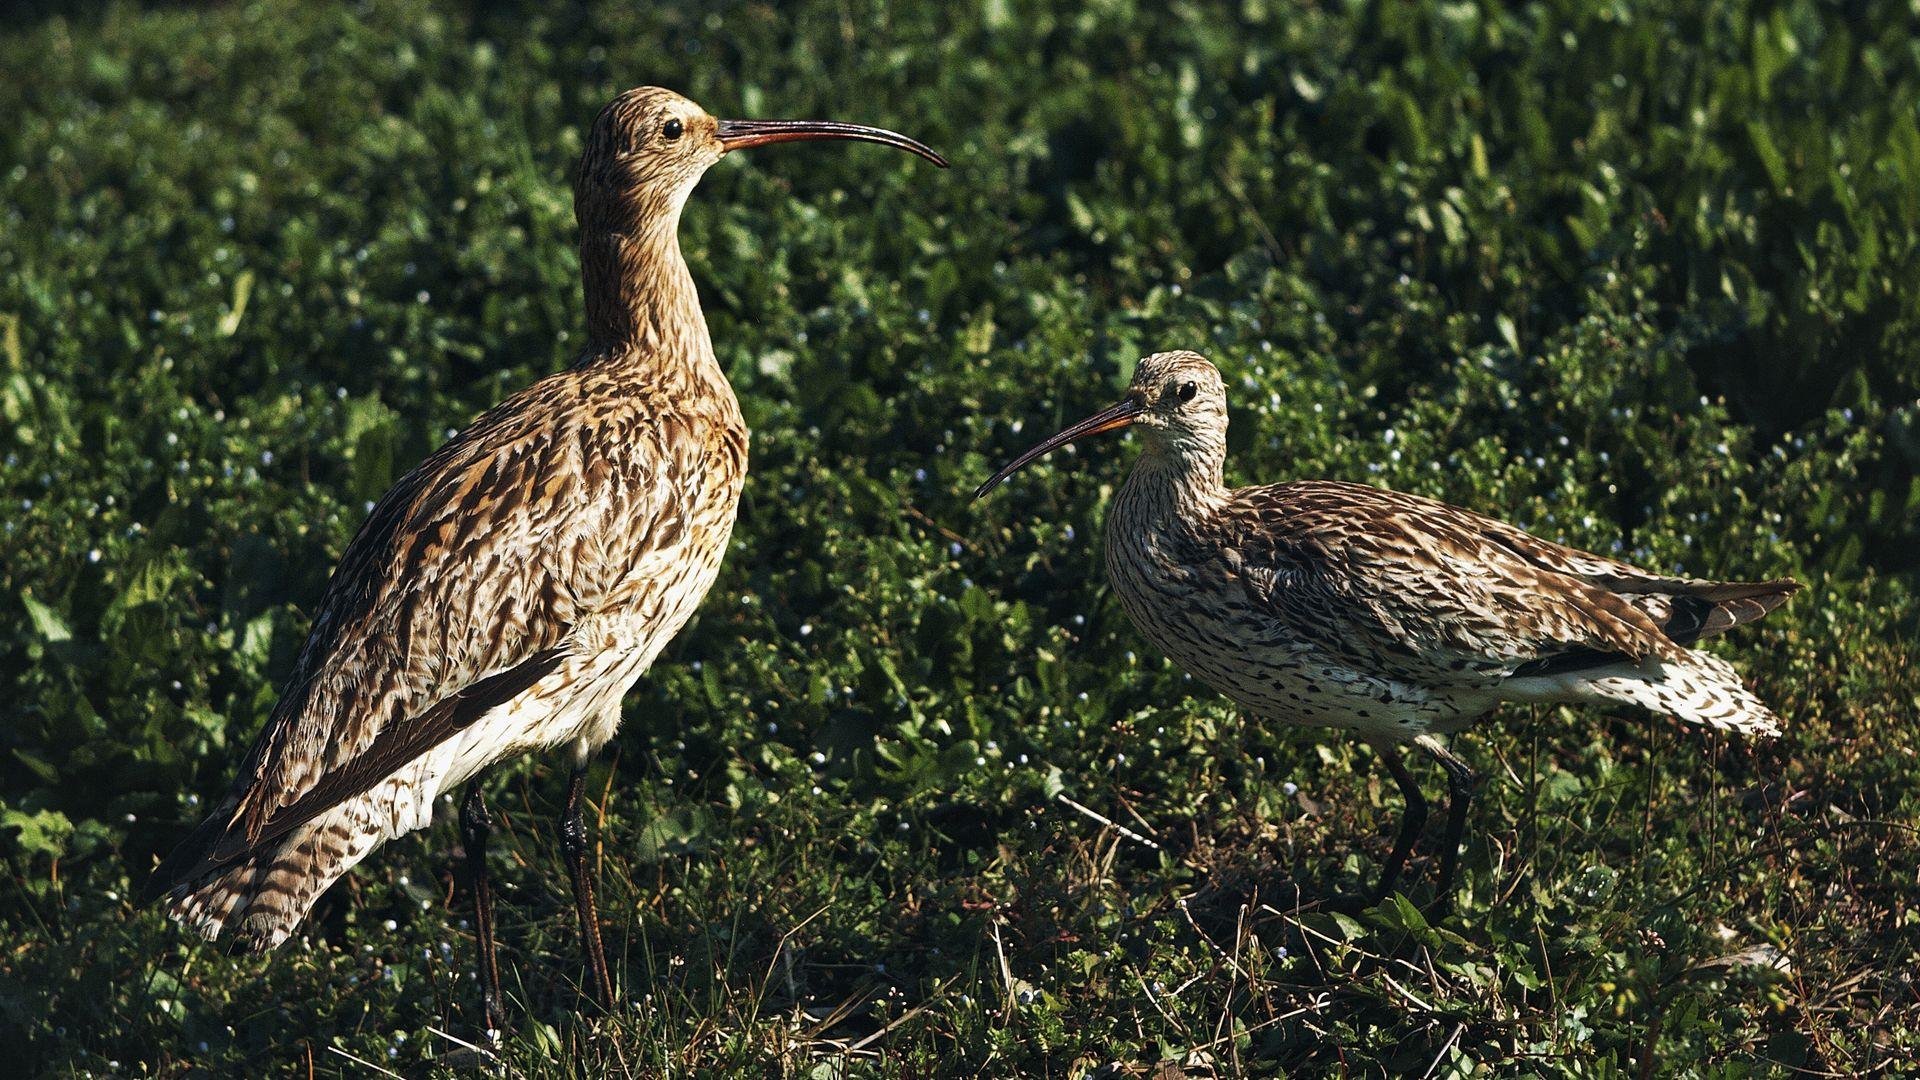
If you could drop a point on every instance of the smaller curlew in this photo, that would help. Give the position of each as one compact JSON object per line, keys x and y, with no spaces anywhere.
{"x":1395,"y":617}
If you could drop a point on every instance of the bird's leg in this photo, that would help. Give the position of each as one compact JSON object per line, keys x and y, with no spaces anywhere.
{"x":573,"y":838}
{"x":1461,"y":782}
{"x":1412,"y":819}
{"x":475,"y":827}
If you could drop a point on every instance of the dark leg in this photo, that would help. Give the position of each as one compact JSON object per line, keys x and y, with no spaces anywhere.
{"x":1461,"y":782}
{"x":1412,"y":819}
{"x":573,"y":838}
{"x":475,"y":827}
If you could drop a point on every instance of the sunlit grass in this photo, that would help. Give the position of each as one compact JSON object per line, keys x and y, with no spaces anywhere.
{"x":1639,"y":280}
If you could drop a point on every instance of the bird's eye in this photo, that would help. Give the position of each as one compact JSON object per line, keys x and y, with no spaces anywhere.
{"x":1187,"y":390}
{"x":671,"y":129}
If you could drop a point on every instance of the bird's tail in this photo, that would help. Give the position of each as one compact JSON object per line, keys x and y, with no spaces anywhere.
{"x":1702,"y":689}
{"x":259,"y":898}
{"x":1688,"y":610}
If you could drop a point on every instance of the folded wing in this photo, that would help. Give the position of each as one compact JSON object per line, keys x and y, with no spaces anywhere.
{"x":1457,"y":596}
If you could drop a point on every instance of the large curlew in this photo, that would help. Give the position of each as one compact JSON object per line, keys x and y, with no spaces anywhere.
{"x":1391,"y":616}
{"x":503,"y":596}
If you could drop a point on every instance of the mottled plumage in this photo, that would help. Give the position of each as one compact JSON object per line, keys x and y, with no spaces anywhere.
{"x":1393,"y":616}
{"x":503,"y":596}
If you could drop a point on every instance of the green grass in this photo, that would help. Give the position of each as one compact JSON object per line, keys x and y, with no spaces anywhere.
{"x":1638,"y":278}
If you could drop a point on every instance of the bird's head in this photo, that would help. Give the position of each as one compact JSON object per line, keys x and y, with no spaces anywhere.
{"x":650,"y":146}
{"x":1182,"y":399}
{"x":1178,"y":398}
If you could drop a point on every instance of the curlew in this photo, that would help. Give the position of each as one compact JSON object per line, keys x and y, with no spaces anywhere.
{"x":1394,"y":617}
{"x":504,"y":595}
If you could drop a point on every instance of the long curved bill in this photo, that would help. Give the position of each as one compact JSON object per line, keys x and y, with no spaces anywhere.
{"x":1108,"y":419}
{"x":740,"y":134}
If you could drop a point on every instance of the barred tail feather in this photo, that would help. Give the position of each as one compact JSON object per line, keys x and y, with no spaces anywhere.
{"x":1703,"y":689}
{"x":260,"y":899}
{"x":218,"y":886}
{"x":1688,"y":611}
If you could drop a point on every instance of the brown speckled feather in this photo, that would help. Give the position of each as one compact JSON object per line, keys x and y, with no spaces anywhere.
{"x":505,"y":594}
{"x":1438,"y":586}
{"x":1391,"y":616}
{"x":490,"y":552}
{"x":521,"y":576}
{"x":1321,"y":602}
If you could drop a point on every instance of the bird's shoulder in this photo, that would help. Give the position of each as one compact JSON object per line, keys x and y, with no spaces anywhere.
{"x":1335,"y":527}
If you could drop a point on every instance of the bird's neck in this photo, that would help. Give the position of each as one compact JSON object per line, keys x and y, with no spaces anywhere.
{"x":640,"y":297}
{"x":1178,"y":481}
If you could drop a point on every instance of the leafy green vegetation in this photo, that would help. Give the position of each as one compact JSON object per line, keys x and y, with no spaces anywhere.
{"x":1642,"y":277}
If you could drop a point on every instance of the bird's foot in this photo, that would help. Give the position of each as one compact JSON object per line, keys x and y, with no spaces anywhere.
{"x":493,"y":1018}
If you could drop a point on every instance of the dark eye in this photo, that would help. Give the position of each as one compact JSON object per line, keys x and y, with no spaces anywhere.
{"x":671,"y":129}
{"x":1187,"y":390}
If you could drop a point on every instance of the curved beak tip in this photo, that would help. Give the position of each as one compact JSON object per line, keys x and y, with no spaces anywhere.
{"x":1109,"y":419}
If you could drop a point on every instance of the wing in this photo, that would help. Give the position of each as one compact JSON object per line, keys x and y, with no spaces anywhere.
{"x":1454,"y":593}
{"x":1686,"y":609}
{"x":458,"y":592}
